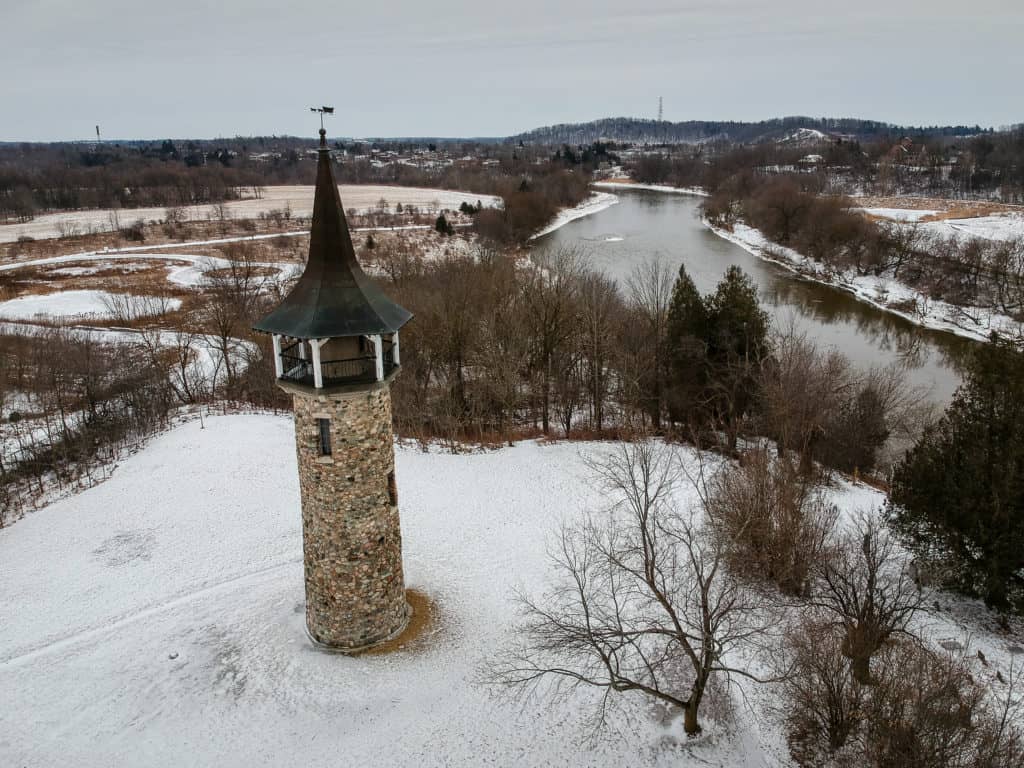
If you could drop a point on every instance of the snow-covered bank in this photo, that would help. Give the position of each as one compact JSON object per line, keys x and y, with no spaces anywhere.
{"x":651,"y":187}
{"x":884,"y":293}
{"x":597,"y":201}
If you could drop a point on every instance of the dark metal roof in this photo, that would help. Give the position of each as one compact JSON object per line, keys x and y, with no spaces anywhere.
{"x":334,"y":297}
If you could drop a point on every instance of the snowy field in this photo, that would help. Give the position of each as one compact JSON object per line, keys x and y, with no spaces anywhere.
{"x":72,"y":306}
{"x":1005,"y":225}
{"x":155,"y":621}
{"x":899,"y":214}
{"x":998,"y":226}
{"x":159,"y":622}
{"x":298,"y":198}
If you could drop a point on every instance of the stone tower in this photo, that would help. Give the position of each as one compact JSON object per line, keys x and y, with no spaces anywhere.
{"x":335,"y":342}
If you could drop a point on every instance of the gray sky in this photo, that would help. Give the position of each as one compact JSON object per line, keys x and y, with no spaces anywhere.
{"x":184,"y":68}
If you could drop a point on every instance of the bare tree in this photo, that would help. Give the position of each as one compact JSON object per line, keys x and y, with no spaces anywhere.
{"x":600,"y":309}
{"x":773,"y":521}
{"x":650,"y":291}
{"x":867,"y":589}
{"x":644,"y":603}
{"x":551,"y":316}
{"x":821,"y":705}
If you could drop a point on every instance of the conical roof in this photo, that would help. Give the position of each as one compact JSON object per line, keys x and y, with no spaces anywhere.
{"x":333,"y":297}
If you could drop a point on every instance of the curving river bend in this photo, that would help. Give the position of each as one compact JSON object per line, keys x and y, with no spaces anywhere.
{"x":646,"y":225}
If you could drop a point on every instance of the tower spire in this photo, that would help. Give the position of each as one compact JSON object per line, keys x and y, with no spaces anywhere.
{"x":333,"y":297}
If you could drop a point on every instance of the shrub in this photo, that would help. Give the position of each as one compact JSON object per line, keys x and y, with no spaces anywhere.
{"x":774,"y":521}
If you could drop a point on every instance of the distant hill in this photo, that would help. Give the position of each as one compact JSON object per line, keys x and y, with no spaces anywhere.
{"x":799,"y":130}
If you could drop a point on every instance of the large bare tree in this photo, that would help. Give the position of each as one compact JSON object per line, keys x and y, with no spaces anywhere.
{"x":867,"y":589}
{"x":643,"y":601}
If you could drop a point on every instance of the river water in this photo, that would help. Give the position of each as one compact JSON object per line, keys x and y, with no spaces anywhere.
{"x":646,"y":225}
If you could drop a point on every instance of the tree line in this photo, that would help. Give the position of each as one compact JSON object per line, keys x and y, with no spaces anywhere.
{"x":969,"y":274}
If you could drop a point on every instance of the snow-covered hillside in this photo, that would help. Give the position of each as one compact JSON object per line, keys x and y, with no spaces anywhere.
{"x":157,"y":619}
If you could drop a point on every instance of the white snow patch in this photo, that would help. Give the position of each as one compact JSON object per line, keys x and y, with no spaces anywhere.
{"x":157,"y":619}
{"x":899,"y":214}
{"x":68,"y":305}
{"x":651,"y":187}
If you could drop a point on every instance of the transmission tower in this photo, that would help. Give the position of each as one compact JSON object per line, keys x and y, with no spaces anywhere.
{"x":660,"y":113}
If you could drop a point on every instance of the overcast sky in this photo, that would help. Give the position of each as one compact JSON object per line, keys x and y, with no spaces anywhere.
{"x":184,"y":68}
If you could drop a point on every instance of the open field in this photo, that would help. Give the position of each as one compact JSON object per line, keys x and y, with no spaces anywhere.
{"x":156,"y":619}
{"x":298,"y":200}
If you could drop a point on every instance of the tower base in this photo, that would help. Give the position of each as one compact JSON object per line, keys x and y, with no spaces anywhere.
{"x":353,"y":651}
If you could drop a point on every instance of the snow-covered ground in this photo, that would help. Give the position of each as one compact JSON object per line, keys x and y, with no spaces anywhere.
{"x":155,"y":621}
{"x":899,"y":214}
{"x":1005,"y":225}
{"x":189,"y":269}
{"x":297,"y":198}
{"x":597,"y":201}
{"x":883,"y":292}
{"x":997,"y":226}
{"x":652,"y":187}
{"x":73,"y":306}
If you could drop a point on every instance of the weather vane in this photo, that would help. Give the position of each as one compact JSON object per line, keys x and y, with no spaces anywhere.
{"x":323,"y":111}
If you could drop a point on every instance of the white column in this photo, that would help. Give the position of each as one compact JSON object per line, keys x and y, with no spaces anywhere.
{"x":378,"y":344}
{"x":278,"y":364}
{"x":318,"y":377}
{"x":394,"y":348}
{"x":302,"y":349}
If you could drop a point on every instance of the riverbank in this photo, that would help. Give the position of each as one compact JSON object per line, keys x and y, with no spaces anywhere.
{"x":597,"y":201}
{"x":883,"y":293}
{"x":697,"y":191}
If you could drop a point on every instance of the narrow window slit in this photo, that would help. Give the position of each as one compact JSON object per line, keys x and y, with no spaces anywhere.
{"x":325,"y":436}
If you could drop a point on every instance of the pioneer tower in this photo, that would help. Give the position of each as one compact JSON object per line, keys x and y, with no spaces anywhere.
{"x":335,"y":339}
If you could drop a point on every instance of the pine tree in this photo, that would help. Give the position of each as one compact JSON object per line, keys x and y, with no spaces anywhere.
{"x":686,"y":338}
{"x":443,"y":226}
{"x":960,"y":491}
{"x":737,"y":343}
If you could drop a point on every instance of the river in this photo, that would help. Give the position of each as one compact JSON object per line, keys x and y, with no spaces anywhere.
{"x":646,"y":225}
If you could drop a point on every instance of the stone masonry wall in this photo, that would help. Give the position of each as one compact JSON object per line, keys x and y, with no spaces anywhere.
{"x":352,"y":541}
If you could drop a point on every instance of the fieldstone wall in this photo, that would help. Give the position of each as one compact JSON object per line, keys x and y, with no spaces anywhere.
{"x":352,"y":541}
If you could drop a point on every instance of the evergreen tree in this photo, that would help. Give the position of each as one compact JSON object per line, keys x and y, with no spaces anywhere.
{"x":443,"y":226}
{"x":740,"y":326}
{"x":737,"y":343}
{"x":959,"y":492}
{"x":686,"y":338}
